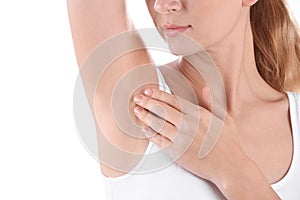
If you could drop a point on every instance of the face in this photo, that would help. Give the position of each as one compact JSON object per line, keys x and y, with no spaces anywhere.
{"x":206,"y":21}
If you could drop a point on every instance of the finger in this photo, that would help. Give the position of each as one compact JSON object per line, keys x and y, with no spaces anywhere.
{"x":148,"y":132}
{"x":180,"y":104}
{"x":163,"y":97}
{"x":158,"y":139}
{"x":160,"y":109}
{"x":157,"y":124}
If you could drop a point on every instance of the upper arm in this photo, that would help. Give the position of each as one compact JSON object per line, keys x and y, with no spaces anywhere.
{"x":93,"y":22}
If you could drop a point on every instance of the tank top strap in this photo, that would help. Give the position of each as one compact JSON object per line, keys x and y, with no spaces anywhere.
{"x":161,"y":81}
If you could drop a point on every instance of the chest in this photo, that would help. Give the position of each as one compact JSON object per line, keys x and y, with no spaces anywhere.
{"x":267,"y":140}
{"x":265,"y":132}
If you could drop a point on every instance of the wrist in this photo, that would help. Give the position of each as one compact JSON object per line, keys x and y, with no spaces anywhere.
{"x":246,"y":183}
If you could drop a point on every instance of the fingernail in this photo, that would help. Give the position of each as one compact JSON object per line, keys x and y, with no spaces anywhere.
{"x":137,"y":111}
{"x":148,"y":92}
{"x":138,"y":98}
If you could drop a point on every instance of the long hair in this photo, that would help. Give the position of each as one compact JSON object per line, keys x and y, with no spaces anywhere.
{"x":276,"y":44}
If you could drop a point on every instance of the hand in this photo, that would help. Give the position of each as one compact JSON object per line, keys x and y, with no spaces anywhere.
{"x":180,"y":127}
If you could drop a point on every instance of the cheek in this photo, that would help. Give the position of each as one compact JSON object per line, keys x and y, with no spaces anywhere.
{"x":213,"y":20}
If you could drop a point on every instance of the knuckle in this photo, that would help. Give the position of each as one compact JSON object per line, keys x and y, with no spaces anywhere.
{"x":147,"y":119}
{"x":146,"y":101}
{"x":162,"y":141}
{"x":156,"y":123}
{"x":158,"y":94}
{"x":172,"y":100}
{"x":144,"y":116}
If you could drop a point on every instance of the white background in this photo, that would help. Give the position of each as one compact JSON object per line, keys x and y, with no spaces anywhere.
{"x":41,"y":156}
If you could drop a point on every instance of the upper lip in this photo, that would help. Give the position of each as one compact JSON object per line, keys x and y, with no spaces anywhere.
{"x":174,"y":26}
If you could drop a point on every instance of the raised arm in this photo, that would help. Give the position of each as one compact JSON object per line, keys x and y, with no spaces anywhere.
{"x":93,"y":22}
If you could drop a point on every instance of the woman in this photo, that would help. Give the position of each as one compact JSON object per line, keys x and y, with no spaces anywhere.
{"x":256,"y":49}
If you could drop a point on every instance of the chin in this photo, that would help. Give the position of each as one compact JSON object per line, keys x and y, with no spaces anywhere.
{"x":183,"y":45}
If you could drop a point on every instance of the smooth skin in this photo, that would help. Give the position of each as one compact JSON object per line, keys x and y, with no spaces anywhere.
{"x":257,"y":132}
{"x":90,"y":26}
{"x":255,"y":148}
{"x":227,"y":166}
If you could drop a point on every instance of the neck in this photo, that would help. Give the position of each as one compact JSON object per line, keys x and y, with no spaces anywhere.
{"x":235,"y":61}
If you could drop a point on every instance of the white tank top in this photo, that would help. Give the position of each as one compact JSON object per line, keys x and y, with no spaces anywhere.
{"x":173,"y":182}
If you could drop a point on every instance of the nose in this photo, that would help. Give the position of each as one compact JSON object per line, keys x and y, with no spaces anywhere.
{"x":167,"y":6}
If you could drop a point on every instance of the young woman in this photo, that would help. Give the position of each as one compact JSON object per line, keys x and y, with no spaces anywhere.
{"x":256,"y":49}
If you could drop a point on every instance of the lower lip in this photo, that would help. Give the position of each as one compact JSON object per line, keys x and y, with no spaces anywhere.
{"x":175,"y":31}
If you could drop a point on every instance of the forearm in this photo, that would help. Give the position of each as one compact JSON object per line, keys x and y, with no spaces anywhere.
{"x":248,"y":183}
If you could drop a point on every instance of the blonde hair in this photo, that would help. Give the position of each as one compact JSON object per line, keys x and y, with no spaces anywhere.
{"x":276,"y":44}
